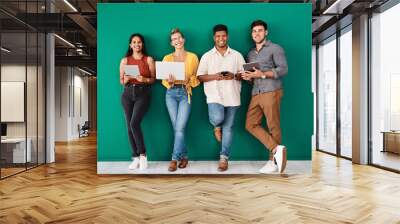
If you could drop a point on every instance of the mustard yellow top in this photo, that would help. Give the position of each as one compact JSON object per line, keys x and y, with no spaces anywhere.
{"x":191,"y":64}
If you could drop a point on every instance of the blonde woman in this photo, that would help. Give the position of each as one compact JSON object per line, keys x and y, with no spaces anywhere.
{"x":178,"y":96}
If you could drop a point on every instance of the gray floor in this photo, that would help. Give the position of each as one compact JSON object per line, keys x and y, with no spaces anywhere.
{"x":202,"y":167}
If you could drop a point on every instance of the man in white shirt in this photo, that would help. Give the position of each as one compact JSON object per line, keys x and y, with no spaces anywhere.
{"x":218,"y":70}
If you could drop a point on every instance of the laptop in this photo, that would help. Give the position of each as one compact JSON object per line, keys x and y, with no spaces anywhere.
{"x":164,"y":69}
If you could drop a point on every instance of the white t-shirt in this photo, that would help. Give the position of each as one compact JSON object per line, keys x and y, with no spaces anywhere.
{"x":224,"y":92}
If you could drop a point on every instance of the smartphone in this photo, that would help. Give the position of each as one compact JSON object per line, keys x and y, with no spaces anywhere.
{"x":224,"y":73}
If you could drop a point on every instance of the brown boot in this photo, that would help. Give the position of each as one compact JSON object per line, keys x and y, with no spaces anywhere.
{"x":222,"y":165}
{"x":172,"y":165}
{"x":218,"y":133}
{"x":183,"y":163}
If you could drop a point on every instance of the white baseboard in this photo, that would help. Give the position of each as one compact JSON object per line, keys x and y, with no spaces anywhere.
{"x":202,"y":167}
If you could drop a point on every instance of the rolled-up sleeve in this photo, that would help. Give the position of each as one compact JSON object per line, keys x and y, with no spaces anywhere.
{"x":281,"y":67}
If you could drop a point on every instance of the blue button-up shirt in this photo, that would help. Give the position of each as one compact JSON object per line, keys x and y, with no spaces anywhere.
{"x":271,"y":57}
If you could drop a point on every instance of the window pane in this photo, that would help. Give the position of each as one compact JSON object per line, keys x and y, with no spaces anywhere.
{"x":386,"y":89}
{"x":346,"y":94}
{"x":31,"y":97}
{"x":327,"y":96}
{"x":14,"y":153}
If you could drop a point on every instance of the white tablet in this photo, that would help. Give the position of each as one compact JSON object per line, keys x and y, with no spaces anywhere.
{"x":164,"y":69}
{"x":131,"y":70}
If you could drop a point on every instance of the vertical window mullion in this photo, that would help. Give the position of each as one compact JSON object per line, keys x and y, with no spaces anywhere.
{"x":338,"y":73}
{"x":37,"y":89}
{"x":317,"y":95}
{"x":0,"y":91}
{"x":26,"y":86}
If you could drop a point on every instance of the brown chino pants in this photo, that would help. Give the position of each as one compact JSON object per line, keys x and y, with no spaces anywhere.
{"x":268,"y":105}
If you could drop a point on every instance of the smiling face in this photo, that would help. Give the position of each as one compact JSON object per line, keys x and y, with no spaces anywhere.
{"x":136,"y":44}
{"x":177,"y":41}
{"x":258,"y":33}
{"x":221,"y":39}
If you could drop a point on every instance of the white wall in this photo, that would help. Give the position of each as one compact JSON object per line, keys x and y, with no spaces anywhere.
{"x":71,"y":102}
{"x":61,"y":103}
{"x":79,"y":110}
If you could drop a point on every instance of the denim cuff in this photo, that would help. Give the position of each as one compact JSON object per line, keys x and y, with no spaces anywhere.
{"x":222,"y":156}
{"x":179,"y":158}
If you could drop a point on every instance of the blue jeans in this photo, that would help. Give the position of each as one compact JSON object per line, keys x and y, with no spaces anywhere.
{"x":223,"y":117}
{"x":179,"y":110}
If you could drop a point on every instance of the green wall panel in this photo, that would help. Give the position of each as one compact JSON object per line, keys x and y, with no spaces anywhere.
{"x":289,"y":26}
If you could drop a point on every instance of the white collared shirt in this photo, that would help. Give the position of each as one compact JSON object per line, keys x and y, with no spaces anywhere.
{"x":224,"y":92}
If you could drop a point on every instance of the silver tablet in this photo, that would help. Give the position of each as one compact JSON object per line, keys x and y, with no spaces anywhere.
{"x":131,"y":70}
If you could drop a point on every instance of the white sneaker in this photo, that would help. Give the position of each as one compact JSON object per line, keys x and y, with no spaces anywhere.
{"x":270,"y":167}
{"x":135,"y":163}
{"x":143,"y":162}
{"x":280,"y":158}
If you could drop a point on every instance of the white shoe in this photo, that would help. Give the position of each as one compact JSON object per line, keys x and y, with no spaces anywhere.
{"x":143,"y":162}
{"x":270,"y":167}
{"x":135,"y":163}
{"x":280,"y":158}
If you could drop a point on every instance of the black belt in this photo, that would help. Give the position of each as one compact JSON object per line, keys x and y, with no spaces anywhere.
{"x":137,"y":85}
{"x":178,"y":86}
